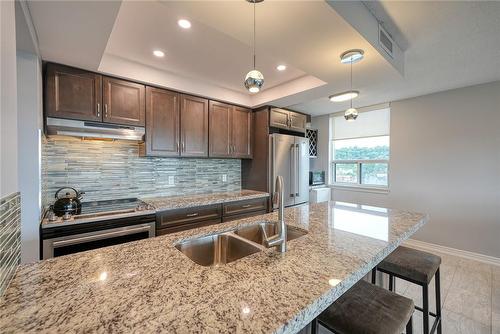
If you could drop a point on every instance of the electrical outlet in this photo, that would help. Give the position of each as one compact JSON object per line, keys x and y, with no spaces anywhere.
{"x":171,"y":180}
{"x":224,"y":177}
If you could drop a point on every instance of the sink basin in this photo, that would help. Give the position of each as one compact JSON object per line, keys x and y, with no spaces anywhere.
{"x":255,"y":233}
{"x":216,"y":249}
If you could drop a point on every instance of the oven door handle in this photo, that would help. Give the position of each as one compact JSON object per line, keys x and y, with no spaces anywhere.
{"x":99,"y":236}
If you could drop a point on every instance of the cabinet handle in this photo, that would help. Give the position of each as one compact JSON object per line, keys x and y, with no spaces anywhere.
{"x":178,"y":147}
{"x":183,"y":147}
{"x":98,"y":110}
{"x":192,"y":215}
{"x":246,"y":205}
{"x":105,"y":110}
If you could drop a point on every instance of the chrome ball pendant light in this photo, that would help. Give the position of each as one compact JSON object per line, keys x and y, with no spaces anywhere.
{"x":254,"y":79}
{"x":351,"y":57}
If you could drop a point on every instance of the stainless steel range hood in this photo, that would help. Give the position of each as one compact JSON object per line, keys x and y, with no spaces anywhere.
{"x":89,"y":129}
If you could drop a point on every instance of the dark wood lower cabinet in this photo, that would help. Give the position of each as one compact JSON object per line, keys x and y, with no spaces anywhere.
{"x":245,"y":206}
{"x":179,"y":228}
{"x":243,"y":215}
{"x":172,"y":221}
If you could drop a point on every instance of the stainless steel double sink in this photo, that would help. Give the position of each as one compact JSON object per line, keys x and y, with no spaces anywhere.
{"x":230,"y":246}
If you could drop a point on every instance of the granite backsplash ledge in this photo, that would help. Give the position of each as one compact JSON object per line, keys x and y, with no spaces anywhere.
{"x":114,"y":169}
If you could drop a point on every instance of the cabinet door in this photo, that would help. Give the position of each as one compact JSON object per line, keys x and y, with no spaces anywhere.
{"x":72,"y":93}
{"x":219,"y":133}
{"x":194,"y":126}
{"x":279,"y":118}
{"x":162,"y":122}
{"x":241,"y":133}
{"x":123,"y":102}
{"x":298,"y":122}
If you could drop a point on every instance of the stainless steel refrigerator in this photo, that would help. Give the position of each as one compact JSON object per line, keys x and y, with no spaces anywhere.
{"x":290,"y":159}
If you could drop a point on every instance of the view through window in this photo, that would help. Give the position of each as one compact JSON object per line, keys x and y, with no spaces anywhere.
{"x":361,"y":149}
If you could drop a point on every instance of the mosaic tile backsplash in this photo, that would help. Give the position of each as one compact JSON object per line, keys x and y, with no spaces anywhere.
{"x":10,"y":238}
{"x":114,"y":169}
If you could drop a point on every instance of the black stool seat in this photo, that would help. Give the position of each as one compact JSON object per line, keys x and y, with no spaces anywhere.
{"x":368,"y":309}
{"x":411,"y":264}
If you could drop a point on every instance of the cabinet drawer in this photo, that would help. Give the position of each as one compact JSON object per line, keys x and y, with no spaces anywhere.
{"x":240,"y":207}
{"x":187,"y":226}
{"x":226,"y":219}
{"x":172,"y":218}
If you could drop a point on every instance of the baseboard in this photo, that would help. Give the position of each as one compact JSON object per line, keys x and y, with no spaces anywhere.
{"x":425,"y":246}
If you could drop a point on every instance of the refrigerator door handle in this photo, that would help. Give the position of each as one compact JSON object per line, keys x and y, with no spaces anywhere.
{"x":297,"y":177}
{"x":293,"y":171}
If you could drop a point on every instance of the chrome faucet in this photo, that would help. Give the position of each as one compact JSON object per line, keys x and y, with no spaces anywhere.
{"x":279,"y":239}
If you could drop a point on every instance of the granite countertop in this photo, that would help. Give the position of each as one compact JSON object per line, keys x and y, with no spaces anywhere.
{"x":164,"y":203}
{"x":186,"y":201}
{"x":149,"y":286}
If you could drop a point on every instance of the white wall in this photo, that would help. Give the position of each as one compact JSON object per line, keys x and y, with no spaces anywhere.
{"x":445,"y":161}
{"x":29,"y":107}
{"x":8,"y":100}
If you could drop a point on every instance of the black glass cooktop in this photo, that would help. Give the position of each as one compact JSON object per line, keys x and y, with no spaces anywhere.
{"x":99,"y":207}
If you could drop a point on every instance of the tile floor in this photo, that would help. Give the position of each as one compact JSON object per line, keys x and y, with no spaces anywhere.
{"x":470,"y":297}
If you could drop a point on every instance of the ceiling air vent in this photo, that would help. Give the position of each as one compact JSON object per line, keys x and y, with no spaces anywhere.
{"x":385,"y":40}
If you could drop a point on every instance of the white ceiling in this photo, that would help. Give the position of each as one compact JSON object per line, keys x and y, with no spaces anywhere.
{"x":448,"y":45}
{"x":201,"y":53}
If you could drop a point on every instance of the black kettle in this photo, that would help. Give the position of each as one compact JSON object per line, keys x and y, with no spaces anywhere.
{"x":68,"y":204}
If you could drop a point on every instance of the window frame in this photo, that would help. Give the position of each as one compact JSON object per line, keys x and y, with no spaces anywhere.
{"x":359,"y":162}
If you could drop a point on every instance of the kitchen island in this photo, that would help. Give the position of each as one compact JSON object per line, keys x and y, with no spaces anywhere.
{"x":150,"y":286}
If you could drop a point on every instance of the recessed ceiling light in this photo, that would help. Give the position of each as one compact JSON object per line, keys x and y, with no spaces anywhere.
{"x":281,"y":67}
{"x":159,"y":53}
{"x":344,"y":96}
{"x":183,"y":23}
{"x":351,"y":56}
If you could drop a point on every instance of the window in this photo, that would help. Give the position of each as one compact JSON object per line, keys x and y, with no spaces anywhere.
{"x":360,"y":149}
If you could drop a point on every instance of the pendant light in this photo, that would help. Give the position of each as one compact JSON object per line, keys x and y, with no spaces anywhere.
{"x":351,"y":114}
{"x":254,"y":79}
{"x":351,"y":57}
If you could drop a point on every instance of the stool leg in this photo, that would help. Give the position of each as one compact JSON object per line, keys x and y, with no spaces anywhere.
{"x":391,"y":282}
{"x":437,"y":280}
{"x":374,"y":275}
{"x":314,"y":326}
{"x":409,"y":326}
{"x":425,"y":307}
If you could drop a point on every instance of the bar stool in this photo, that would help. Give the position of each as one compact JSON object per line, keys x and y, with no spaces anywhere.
{"x":367,"y":309}
{"x":416,"y":267}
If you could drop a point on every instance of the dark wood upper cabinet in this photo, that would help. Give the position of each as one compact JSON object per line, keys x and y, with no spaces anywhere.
{"x":298,"y":122}
{"x":219,"y":133}
{"x":176,"y":124}
{"x":279,"y":118}
{"x":241,"y":133}
{"x":194,"y":126}
{"x":288,"y":120}
{"x":72,"y":93}
{"x":124,"y":102}
{"x":162,"y":123}
{"x":230,"y":131}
